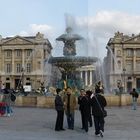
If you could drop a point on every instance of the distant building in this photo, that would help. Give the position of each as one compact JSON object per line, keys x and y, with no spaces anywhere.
{"x":22,"y":60}
{"x":123,"y":62}
{"x":87,"y":74}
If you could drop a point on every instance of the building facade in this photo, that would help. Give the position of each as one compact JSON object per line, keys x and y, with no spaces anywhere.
{"x":87,"y":74}
{"x":123,"y":62}
{"x":22,"y":60}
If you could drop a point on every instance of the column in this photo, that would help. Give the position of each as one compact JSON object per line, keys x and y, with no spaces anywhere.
{"x":34,"y":63}
{"x":111,"y":62}
{"x":134,"y":60}
{"x":86,"y":80}
{"x":134,"y":68}
{"x":13,"y":69}
{"x":81,"y":75}
{"x":23,"y":66}
{"x":134,"y":81}
{"x":13,"y":62}
{"x":90,"y":77}
{"x":23,"y":58}
{"x":124,"y":70}
{"x":3,"y":58}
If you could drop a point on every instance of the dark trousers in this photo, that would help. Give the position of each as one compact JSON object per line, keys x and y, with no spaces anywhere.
{"x":70,"y":120}
{"x":59,"y":120}
{"x":90,"y":120}
{"x":84,"y":118}
{"x":99,"y":124}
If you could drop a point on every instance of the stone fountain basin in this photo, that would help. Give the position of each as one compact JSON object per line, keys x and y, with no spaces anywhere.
{"x":75,"y":61}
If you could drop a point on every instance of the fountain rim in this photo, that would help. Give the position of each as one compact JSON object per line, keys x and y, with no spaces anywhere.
{"x":73,"y":60}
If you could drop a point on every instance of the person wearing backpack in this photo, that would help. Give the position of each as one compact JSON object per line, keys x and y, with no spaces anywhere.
{"x":135,"y":96}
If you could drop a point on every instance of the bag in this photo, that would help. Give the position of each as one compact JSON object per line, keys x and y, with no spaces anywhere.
{"x":103,"y":110}
{"x":105,"y":113}
{"x":136,"y":95}
{"x":13,"y":97}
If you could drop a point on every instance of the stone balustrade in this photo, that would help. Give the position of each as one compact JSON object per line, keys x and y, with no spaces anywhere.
{"x":48,"y":102}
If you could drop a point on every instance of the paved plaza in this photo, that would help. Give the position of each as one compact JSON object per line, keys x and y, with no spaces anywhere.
{"x":122,"y":123}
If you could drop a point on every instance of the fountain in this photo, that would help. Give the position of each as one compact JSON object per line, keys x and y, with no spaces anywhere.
{"x":70,"y":62}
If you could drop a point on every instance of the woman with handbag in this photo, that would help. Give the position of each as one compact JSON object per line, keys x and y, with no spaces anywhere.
{"x":98,"y":103}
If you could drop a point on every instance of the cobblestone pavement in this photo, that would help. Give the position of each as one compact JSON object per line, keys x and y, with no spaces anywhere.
{"x":122,"y":123}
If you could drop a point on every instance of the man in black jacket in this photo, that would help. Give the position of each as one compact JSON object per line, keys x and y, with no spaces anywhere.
{"x":89,"y":93}
{"x":135,"y":96}
{"x":84,"y":103}
{"x":98,"y":103}
{"x":59,"y":106}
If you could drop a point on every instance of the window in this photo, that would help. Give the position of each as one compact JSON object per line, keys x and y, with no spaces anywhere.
{"x":28,"y":83}
{"x":8,"y":68}
{"x":18,"y":53}
{"x":137,"y":65}
{"x":129,"y":66}
{"x":28,"y":53}
{"x":28,"y":67}
{"x":129,"y":52}
{"x":138,"y":53}
{"x":27,"y":78}
{"x":8,"y":53}
{"x":18,"y":68}
{"x":39,"y":65}
{"x":7,"y":78}
{"x":129,"y":78}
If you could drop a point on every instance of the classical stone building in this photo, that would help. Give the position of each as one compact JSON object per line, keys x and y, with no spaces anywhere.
{"x":123,"y":62}
{"x":22,"y":60}
{"x":87,"y":74}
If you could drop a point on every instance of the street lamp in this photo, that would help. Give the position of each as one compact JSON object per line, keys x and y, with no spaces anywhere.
{"x":124,"y":70}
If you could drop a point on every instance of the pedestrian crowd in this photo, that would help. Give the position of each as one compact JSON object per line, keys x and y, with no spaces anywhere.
{"x":90,"y":104}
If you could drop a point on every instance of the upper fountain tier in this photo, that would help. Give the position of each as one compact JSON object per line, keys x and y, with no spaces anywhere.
{"x":70,"y":60}
{"x":69,"y":40}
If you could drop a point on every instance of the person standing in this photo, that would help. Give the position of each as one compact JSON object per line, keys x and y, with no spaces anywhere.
{"x":135,"y":96}
{"x":99,"y":86}
{"x":69,"y":100}
{"x":88,"y":94}
{"x":59,"y":106}
{"x":98,"y":103}
{"x":7,"y":100}
{"x":84,"y":109}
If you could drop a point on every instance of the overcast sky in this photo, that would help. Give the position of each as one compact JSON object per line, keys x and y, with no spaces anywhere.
{"x":95,"y":20}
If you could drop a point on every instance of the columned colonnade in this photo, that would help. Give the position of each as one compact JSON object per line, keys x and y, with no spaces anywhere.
{"x":86,"y":74}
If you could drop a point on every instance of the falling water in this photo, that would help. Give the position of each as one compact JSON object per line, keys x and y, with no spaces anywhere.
{"x":84,"y":47}
{"x":116,"y":64}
